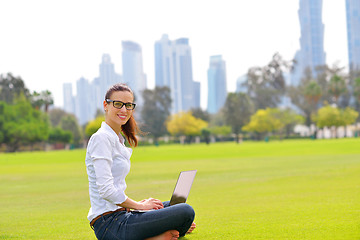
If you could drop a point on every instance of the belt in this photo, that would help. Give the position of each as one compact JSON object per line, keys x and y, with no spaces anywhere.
{"x":107,"y":213}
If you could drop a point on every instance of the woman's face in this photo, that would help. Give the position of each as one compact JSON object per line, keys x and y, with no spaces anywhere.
{"x":117,"y":117}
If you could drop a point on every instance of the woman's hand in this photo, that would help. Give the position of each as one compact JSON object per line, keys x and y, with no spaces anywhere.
{"x":150,"y":204}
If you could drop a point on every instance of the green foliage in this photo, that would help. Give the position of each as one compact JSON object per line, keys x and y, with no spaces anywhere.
{"x":337,"y":87}
{"x":67,"y":122}
{"x":205,"y":133}
{"x":55,"y":115}
{"x":22,"y":124}
{"x":266,"y":84}
{"x":264,"y":121}
{"x":237,"y":111}
{"x":93,"y":126}
{"x":156,"y":110}
{"x":42,"y":100}
{"x":312,"y":92}
{"x":348,"y":116}
{"x":199,"y":113}
{"x":289,"y":118}
{"x":221,"y":130}
{"x":356,"y":93}
{"x":11,"y":88}
{"x":57,"y":135}
{"x":185,"y":124}
{"x":2,"y":120}
{"x":329,"y":116}
{"x":70,"y":123}
{"x":357,"y":89}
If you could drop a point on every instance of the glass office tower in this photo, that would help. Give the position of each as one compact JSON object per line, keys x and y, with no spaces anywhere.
{"x":311,"y":53}
{"x":133,"y":73}
{"x":353,"y":33}
{"x":216,"y":84}
{"x":173,"y":68}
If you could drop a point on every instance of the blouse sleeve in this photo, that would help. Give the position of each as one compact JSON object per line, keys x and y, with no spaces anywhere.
{"x":100,"y":150}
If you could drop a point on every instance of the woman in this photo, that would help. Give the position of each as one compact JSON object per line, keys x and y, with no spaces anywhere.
{"x":108,"y":163}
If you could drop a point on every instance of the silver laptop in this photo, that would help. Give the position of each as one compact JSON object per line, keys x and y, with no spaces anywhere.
{"x":182,"y":187}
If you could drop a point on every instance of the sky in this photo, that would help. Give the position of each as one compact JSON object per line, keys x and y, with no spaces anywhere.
{"x":48,"y":43}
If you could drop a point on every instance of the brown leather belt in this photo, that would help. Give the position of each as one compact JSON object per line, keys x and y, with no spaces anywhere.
{"x":107,"y":213}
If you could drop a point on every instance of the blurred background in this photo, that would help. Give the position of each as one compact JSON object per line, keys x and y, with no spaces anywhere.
{"x":201,"y":71}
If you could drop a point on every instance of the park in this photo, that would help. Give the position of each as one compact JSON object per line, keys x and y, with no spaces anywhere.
{"x":290,"y":189}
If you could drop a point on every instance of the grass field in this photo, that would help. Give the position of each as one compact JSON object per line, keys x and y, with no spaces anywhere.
{"x":298,"y":189}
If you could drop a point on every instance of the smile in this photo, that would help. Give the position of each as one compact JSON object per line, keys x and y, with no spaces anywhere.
{"x":122,"y":116}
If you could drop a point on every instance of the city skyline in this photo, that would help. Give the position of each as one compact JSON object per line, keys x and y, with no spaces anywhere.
{"x":63,"y":41}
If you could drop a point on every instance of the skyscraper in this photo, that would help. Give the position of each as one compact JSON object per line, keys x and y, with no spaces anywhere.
{"x":133,"y":73}
{"x":353,"y":33}
{"x":68,"y":98}
{"x":173,"y":68}
{"x":216,"y":84}
{"x":107,"y":77}
{"x":90,"y":95}
{"x":84,"y":110}
{"x":311,"y":53}
{"x":196,"y":94}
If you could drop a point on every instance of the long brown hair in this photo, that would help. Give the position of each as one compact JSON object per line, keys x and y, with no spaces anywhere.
{"x":130,"y":128}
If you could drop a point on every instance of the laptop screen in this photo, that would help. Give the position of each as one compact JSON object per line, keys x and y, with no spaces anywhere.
{"x":182,"y":187}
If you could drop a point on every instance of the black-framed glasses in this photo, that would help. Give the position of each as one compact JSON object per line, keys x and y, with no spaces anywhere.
{"x":120,"y":104}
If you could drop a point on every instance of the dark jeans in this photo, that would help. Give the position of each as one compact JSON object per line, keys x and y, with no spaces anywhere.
{"x":140,"y":225}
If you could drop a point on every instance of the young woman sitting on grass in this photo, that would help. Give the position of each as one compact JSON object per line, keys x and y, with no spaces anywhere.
{"x":108,"y":163}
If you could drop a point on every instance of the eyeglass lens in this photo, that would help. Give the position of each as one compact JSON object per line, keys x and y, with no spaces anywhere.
{"x":128,"y":106}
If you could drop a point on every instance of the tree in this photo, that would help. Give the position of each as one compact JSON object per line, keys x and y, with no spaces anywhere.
{"x":220,"y":131}
{"x":199,"y":113}
{"x":57,"y":135}
{"x":266,"y":85}
{"x":11,"y":88}
{"x":55,"y":116}
{"x":205,"y":132}
{"x":70,"y":123}
{"x":156,"y":110}
{"x":185,"y":124}
{"x":262,"y":122}
{"x":288,"y":117}
{"x":23,"y":125}
{"x":330,"y":116}
{"x":312,"y":92}
{"x":330,"y":79}
{"x":36,"y":100}
{"x":356,"y":92}
{"x":348,"y":117}
{"x":306,"y":96}
{"x":337,"y":87}
{"x":237,"y":111}
{"x":93,"y":126}
{"x":42,"y":100}
{"x":327,"y":116}
{"x":2,"y":120}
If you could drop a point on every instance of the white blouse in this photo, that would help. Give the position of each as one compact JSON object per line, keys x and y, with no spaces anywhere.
{"x":107,"y":164}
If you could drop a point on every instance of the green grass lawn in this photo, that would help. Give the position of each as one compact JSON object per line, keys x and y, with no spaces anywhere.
{"x":296,"y":189}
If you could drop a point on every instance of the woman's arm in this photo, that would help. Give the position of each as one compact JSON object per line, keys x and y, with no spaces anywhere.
{"x":146,"y":204}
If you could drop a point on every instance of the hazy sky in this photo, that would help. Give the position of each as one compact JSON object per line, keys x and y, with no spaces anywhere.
{"x":48,"y":43}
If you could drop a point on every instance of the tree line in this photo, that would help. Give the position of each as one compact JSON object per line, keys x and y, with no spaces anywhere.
{"x":327,"y":98}
{"x":26,"y":121}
